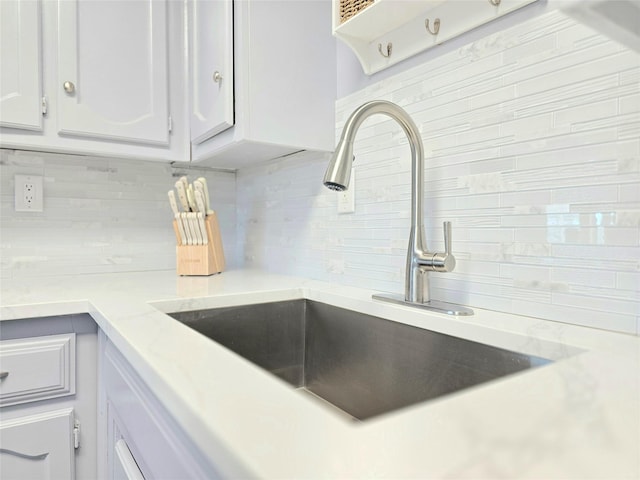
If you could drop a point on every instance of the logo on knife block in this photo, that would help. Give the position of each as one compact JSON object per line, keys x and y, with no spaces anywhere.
{"x":201,"y":259}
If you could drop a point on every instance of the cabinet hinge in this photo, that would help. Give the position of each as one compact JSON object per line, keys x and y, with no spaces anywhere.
{"x":44,"y":105}
{"x":76,"y":434}
{"x":170,"y":123}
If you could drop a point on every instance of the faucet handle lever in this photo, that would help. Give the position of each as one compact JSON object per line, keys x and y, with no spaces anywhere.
{"x":446,"y":226}
{"x":444,"y":261}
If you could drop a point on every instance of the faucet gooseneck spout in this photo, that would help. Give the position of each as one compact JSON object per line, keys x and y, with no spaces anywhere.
{"x":419,"y":260}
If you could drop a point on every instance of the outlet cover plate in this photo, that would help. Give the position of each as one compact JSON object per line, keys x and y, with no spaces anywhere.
{"x":28,"y":193}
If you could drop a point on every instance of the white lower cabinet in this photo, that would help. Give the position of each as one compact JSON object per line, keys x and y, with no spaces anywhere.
{"x":38,"y":446}
{"x":143,"y":440}
{"x":48,"y":398}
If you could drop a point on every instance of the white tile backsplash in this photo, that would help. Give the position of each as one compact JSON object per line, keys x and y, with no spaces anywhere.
{"x":100,"y":215}
{"x":533,"y":152}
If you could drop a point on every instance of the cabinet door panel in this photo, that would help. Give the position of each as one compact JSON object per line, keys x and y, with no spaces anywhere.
{"x":38,"y":446}
{"x":20,"y":73}
{"x":211,"y":51}
{"x":37,"y":368}
{"x":115,"y":54}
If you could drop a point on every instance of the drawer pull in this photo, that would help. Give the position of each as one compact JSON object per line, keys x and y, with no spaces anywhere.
{"x":3,"y":375}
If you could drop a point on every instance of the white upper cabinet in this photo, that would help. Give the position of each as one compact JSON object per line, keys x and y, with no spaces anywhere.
{"x":112,"y":70}
{"x":284,"y":82}
{"x":210,"y":30}
{"x":225,"y":83}
{"x":101,"y":83}
{"x":20,"y":65}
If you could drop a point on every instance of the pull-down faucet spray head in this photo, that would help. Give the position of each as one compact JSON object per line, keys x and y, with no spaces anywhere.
{"x":338,"y":172}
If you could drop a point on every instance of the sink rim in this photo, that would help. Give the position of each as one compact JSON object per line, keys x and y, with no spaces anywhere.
{"x":537,"y":340}
{"x":394,"y":410}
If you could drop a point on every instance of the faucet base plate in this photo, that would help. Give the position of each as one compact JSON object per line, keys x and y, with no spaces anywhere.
{"x":434,"y":305}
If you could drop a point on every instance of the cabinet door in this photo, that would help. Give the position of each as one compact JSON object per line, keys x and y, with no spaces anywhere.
{"x":20,"y":60}
{"x":211,"y":67}
{"x":112,"y":70}
{"x":38,"y":446}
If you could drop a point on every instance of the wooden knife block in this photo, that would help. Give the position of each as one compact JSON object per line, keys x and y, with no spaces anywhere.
{"x":201,"y":259}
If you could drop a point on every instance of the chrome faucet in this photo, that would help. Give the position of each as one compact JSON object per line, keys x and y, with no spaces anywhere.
{"x":419,"y":260}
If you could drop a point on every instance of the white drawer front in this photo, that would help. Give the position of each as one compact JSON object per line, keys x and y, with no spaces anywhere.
{"x":37,"y":368}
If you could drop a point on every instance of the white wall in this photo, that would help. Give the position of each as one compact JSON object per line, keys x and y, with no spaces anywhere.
{"x":100,"y":215}
{"x":533,"y":152}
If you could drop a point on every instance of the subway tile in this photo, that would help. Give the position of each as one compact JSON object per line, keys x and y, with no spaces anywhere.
{"x":598,"y":303}
{"x":579,"y":115}
{"x":570,"y":69}
{"x":577,"y":315}
{"x":587,"y":91}
{"x":527,"y":52}
{"x":601,"y":253}
{"x":495,"y":235}
{"x":585,"y":276}
{"x":526,"y":128}
{"x":628,"y":281}
{"x":588,"y":194}
{"x":629,"y":193}
{"x":493,"y":97}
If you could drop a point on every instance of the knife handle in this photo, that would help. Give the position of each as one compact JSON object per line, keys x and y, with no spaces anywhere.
{"x":172,"y":202}
{"x":199,"y":187}
{"x":207,"y":199}
{"x":180,"y":234}
{"x":191,"y":198}
{"x":181,"y":229}
{"x":182,"y":196}
{"x":201,"y":214}
{"x":187,"y":228}
{"x":195,"y":228}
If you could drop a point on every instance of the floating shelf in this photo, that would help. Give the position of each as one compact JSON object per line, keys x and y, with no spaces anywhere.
{"x":389,"y":31}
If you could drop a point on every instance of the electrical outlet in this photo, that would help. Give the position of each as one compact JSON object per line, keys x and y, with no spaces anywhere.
{"x":28,"y":193}
{"x":347,"y":198}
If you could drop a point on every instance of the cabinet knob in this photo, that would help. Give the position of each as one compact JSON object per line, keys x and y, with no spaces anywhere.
{"x":217,"y":76}
{"x":69,"y":87}
{"x":3,"y":375}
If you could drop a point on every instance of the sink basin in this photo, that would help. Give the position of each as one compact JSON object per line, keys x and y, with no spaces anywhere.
{"x":362,"y":365}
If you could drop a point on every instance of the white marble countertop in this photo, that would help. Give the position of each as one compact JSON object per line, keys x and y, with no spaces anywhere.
{"x":578,"y":417}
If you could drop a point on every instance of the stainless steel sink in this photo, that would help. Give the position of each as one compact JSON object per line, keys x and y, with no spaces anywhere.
{"x":360,"y":364}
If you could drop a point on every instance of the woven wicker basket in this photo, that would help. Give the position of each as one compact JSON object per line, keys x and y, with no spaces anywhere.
{"x":349,"y":8}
